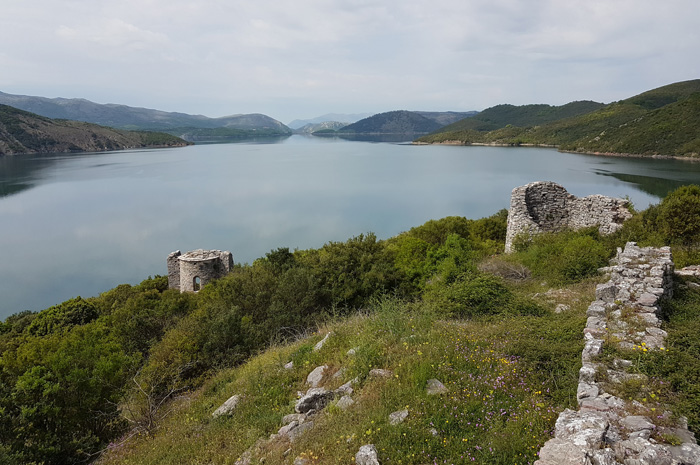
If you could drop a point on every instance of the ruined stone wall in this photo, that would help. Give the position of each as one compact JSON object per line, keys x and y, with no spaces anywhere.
{"x":173,"y":270}
{"x":193,"y":270}
{"x":545,"y":206}
{"x":606,"y":429}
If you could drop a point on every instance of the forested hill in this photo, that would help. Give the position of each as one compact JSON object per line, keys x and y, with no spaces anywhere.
{"x":24,"y":132}
{"x":524,"y":116}
{"x":662,"y":121}
{"x":393,"y":122}
{"x":133,"y":118}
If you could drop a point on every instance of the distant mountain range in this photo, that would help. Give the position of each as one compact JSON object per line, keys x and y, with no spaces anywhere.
{"x":133,"y":118}
{"x":393,"y":122}
{"x":25,"y":132}
{"x":662,"y":121}
{"x":400,"y":122}
{"x":311,"y":128}
{"x":335,"y":117}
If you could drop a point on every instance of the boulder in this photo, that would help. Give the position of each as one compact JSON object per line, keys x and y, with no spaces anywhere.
{"x":367,"y":455}
{"x":344,"y":402}
{"x":398,"y":417}
{"x":435,"y":387}
{"x":227,"y":407}
{"x":315,"y":377}
{"x":314,"y":399}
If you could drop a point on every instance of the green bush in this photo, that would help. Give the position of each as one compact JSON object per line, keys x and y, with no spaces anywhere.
{"x":565,"y":257}
{"x":679,"y":215}
{"x":63,"y":316}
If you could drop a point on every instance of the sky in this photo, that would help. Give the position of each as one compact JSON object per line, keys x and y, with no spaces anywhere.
{"x":301,"y":59}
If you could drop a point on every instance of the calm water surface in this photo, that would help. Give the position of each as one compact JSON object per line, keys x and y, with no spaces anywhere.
{"x":81,"y":224}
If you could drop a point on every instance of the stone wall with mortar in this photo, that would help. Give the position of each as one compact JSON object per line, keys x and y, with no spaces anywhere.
{"x":193,"y":270}
{"x":606,"y":429}
{"x":545,"y":206}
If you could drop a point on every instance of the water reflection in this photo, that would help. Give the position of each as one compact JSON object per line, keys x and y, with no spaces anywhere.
{"x":658,"y":187}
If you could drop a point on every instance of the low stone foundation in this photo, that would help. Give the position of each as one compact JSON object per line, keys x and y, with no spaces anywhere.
{"x":545,"y":206}
{"x":607,"y":430}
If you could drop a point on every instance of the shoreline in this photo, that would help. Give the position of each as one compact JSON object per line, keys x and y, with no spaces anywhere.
{"x":550,"y":146}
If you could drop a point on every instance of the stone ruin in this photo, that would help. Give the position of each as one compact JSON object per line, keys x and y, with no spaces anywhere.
{"x":189,"y":272}
{"x":608,"y":429}
{"x":545,"y":206}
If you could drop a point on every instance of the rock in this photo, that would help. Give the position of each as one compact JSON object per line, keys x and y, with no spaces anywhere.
{"x":301,"y":461}
{"x":284,"y":431}
{"x":561,"y":452}
{"x":686,"y":453}
{"x":340,"y":373}
{"x":398,"y":417}
{"x":347,"y":387}
{"x":351,"y":352}
{"x":227,"y":407}
{"x":319,"y":345}
{"x":435,"y":387}
{"x":314,"y":399}
{"x":289,"y":365}
{"x":647,"y":300}
{"x":298,"y":417}
{"x":562,"y":308}
{"x":639,"y":451}
{"x":592,"y":349}
{"x":587,"y":373}
{"x":315,"y":377}
{"x":606,"y":292}
{"x":587,"y":391}
{"x":294,"y":433}
{"x":367,"y":455}
{"x":380,"y":373}
{"x":585,"y":429}
{"x":344,"y":402}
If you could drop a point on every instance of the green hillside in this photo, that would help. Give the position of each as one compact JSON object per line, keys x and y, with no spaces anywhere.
{"x":134,"y":118}
{"x":134,"y":375}
{"x":24,"y":132}
{"x":663,"y":121}
{"x":523,"y":116}
{"x":392,"y":122}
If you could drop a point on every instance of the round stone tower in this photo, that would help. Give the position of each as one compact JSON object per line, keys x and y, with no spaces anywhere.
{"x":191,"y":271}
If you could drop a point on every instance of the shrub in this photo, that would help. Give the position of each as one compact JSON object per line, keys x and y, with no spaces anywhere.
{"x":679,"y":215}
{"x":565,"y":257}
{"x":70,"y":313}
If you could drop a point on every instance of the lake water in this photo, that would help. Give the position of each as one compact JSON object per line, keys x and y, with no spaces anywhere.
{"x":81,"y":224}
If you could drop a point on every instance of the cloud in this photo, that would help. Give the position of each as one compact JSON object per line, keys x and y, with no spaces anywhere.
{"x":285,"y":59}
{"x":112,"y":34}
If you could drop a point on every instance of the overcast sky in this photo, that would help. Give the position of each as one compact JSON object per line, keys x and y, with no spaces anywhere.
{"x":305,"y":58}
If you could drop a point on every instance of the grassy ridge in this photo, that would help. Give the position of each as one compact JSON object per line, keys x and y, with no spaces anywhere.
{"x":663,"y":121}
{"x":498,"y":389}
{"x":523,"y":116}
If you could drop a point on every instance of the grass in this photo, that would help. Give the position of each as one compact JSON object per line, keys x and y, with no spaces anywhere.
{"x":505,"y":377}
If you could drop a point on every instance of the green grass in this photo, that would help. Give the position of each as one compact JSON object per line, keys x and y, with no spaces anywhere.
{"x":505,"y":377}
